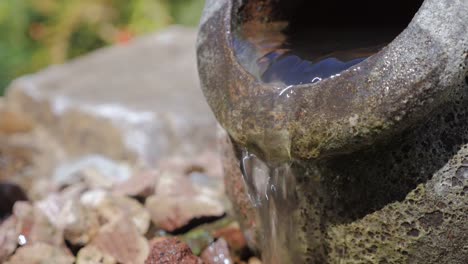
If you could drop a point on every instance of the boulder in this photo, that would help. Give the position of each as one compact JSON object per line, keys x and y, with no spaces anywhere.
{"x":135,"y":102}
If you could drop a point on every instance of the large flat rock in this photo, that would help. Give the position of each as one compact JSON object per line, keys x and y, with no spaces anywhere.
{"x":136,"y":102}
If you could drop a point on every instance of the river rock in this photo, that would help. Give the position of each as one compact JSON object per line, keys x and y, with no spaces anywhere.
{"x":135,"y":102}
{"x":184,"y":192}
{"x":8,"y":238}
{"x":140,"y":184}
{"x":121,"y":240}
{"x":92,"y":255}
{"x":171,"y":251}
{"x":110,"y":207}
{"x":217,"y":253}
{"x":14,"y":122}
{"x":16,"y":159}
{"x":95,"y":171}
{"x":79,"y":223}
{"x":29,"y":159}
{"x":255,"y":261}
{"x":233,"y":235}
{"x":34,"y":226}
{"x":41,"y":253}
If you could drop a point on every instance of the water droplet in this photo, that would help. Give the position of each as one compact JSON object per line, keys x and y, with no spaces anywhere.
{"x":22,"y":240}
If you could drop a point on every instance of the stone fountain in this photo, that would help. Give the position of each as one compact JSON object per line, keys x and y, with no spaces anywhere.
{"x":347,"y":134}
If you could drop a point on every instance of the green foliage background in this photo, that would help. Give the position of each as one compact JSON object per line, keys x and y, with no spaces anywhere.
{"x":37,"y":33}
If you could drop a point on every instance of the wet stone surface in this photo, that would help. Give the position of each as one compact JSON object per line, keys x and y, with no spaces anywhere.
{"x":217,"y":253}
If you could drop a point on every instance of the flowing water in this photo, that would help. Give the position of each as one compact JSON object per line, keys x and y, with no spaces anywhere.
{"x":289,"y":49}
{"x":272,"y":187}
{"x":272,"y":191}
{"x":290,"y":44}
{"x":271,"y":58}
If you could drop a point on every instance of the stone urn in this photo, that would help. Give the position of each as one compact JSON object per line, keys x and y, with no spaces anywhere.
{"x":347,"y":126}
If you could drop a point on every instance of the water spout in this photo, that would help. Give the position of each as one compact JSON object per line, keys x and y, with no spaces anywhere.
{"x":340,"y":148}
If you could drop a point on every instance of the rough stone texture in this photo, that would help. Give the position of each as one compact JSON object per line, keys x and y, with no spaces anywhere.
{"x":12,"y":122}
{"x":232,"y":234}
{"x":79,"y":223}
{"x":379,"y":154}
{"x":402,"y":202}
{"x":111,"y":207}
{"x":136,"y":102}
{"x":16,"y":159}
{"x":95,"y":171}
{"x":391,"y":91}
{"x":171,"y":251}
{"x":41,"y":253}
{"x":28,"y":154}
{"x":186,"y":190}
{"x":8,"y":238}
{"x":34,"y":226}
{"x":121,"y":240}
{"x":254,"y":261}
{"x":92,"y":255}
{"x":141,"y":184}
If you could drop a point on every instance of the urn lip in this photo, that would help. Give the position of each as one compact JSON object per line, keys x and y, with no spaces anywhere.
{"x":424,"y":66}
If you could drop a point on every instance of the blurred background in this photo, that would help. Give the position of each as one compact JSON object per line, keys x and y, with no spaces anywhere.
{"x":37,"y":33}
{"x":125,"y":128}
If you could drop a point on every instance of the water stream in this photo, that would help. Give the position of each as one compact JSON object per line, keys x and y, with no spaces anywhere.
{"x":272,"y":191}
{"x":288,"y":45}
